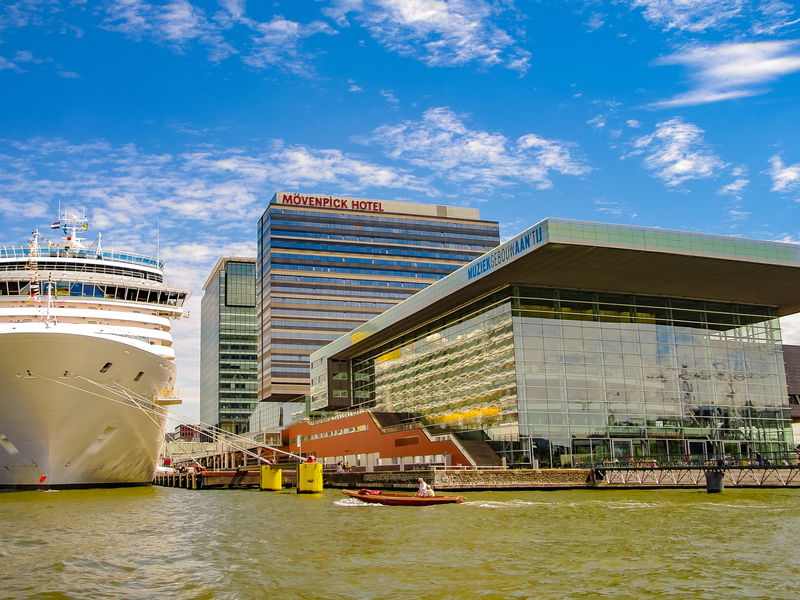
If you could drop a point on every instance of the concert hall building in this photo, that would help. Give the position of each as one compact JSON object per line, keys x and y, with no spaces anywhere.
{"x":327,"y":264}
{"x":578,"y":343}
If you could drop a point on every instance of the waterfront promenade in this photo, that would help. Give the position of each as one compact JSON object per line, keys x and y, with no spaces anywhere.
{"x":465,"y":479}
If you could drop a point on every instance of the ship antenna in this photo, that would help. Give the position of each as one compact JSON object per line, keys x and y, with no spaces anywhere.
{"x":158,"y":237}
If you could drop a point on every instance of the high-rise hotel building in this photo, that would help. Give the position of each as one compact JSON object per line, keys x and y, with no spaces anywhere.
{"x":327,"y":264}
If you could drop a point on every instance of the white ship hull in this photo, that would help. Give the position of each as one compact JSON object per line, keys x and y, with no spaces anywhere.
{"x":61,"y":424}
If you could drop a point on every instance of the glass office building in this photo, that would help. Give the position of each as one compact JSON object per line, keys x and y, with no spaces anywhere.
{"x":580,"y":343}
{"x":229,"y":345}
{"x":327,"y":264}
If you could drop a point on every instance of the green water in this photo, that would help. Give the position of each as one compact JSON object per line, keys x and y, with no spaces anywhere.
{"x":172,"y":543}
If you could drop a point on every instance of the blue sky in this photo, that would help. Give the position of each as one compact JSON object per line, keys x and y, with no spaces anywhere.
{"x":665,"y":113}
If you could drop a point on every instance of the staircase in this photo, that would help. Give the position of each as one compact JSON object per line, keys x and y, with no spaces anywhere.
{"x":481,"y":453}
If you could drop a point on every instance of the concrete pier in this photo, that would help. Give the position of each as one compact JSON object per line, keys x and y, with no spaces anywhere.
{"x":227,"y":479}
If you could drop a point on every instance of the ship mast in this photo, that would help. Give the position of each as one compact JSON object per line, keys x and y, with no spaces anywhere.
{"x":73,"y":226}
{"x":33,"y":265}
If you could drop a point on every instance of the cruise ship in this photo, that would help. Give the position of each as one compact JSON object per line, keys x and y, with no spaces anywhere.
{"x":87,"y":366}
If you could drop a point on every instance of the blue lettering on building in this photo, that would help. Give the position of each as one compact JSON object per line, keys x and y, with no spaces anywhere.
{"x":504,"y":253}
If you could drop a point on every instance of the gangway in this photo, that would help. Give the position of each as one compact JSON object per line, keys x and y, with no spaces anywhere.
{"x":672,"y":475}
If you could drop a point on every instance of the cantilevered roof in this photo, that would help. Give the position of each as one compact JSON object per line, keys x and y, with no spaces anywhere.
{"x":595,"y":256}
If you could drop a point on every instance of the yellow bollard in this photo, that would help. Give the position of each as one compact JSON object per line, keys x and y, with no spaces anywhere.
{"x":271,"y":478}
{"x":309,"y":478}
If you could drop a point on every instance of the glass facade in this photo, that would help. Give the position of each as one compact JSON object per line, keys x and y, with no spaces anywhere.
{"x":325,"y":268}
{"x":229,"y":346}
{"x":575,"y":377}
{"x":620,"y":379}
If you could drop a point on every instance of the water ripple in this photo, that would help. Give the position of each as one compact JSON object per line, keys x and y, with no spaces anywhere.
{"x":208,"y":545}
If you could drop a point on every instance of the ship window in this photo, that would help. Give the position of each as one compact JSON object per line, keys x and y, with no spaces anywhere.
{"x":105,"y":367}
{"x":138,"y":376}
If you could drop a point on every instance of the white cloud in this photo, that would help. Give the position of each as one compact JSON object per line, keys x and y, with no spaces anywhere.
{"x":610,"y":208}
{"x":207,"y":251}
{"x":277,"y":43}
{"x":773,"y":15}
{"x":13,"y":208}
{"x":389,"y":96}
{"x":690,"y":15}
{"x":174,"y":23}
{"x":735,"y":187}
{"x":437,"y":32}
{"x":598,"y":122}
{"x":300,"y":166}
{"x":303,"y":166}
{"x":23,"y":13}
{"x":633,"y":123}
{"x":177,"y":23}
{"x":124,"y":188}
{"x":732,"y":70}
{"x":596,"y":21}
{"x":442,"y":142}
{"x":785,"y":178}
{"x":10,"y":66}
{"x":735,"y":214}
{"x":676,"y":152}
{"x":26,"y":56}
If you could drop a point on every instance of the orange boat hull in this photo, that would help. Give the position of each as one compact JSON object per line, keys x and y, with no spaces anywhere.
{"x":398,"y":499}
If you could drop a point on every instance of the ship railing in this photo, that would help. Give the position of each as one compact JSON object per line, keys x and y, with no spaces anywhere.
{"x":60,"y":252}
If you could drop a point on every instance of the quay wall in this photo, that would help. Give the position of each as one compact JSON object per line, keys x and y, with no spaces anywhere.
{"x":462,"y":480}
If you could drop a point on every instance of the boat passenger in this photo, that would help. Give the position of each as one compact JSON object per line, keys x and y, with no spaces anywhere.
{"x":422,"y":487}
{"x":429,"y":493}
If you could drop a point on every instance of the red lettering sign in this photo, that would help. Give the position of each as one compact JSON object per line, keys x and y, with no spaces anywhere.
{"x":331,"y":202}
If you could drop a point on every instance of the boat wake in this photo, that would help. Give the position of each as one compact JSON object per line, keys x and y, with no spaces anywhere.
{"x":506,"y":504}
{"x":351,"y":502}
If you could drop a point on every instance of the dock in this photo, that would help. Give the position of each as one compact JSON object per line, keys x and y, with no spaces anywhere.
{"x":224,"y":479}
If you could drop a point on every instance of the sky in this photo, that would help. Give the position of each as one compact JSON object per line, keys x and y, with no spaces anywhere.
{"x":173,"y":122}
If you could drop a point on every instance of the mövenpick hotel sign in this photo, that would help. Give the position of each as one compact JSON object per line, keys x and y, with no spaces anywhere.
{"x":330,"y":202}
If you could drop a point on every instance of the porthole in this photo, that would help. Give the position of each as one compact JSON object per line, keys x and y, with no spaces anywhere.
{"x":105,"y":367}
{"x":138,"y":376}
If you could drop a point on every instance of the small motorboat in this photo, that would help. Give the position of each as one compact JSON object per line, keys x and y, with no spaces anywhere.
{"x":399,"y":499}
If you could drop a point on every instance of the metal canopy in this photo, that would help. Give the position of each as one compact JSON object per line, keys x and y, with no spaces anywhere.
{"x":618,"y":270}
